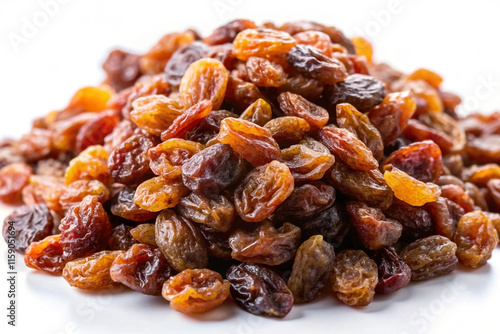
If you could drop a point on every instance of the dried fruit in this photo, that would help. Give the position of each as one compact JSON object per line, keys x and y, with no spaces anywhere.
{"x":375,"y":230}
{"x":264,"y":73}
{"x":354,"y":277}
{"x":393,"y":272}
{"x":259,"y":290}
{"x":258,"y":112}
{"x":27,"y":224}
{"x":160,"y":193}
{"x":311,"y":63}
{"x":167,"y":158}
{"x":187,"y":120}
{"x":91,"y":164}
{"x":410,"y":190}
{"x":264,"y":244}
{"x":216,"y":212}
{"x":92,"y":272}
{"x":142,"y":268}
{"x":155,"y":113}
{"x":307,"y":162}
{"x":262,"y":190}
{"x":254,"y":143}
{"x":430,"y":257}
{"x":13,"y":178}
{"x":362,"y":91}
{"x":476,"y":238}
{"x":144,"y":234}
{"x":74,"y":193}
{"x":195,"y":291}
{"x":311,"y":270}
{"x":46,"y":255}
{"x":295,"y":105}
{"x":85,"y":229}
{"x":123,"y":205}
{"x":121,"y":239}
{"x":180,"y":242}
{"x":287,"y":130}
{"x":212,"y":170}
{"x":261,"y":43}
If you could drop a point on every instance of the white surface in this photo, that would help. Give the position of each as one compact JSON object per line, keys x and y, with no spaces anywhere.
{"x":459,"y":41}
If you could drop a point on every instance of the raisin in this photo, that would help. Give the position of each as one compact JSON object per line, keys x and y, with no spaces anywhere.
{"x":35,"y":146}
{"x":92,"y":272}
{"x":44,"y":189}
{"x":316,"y":39}
{"x":362,"y":91}
{"x":147,"y":85}
{"x":363,"y":47}
{"x":129,"y":162}
{"x":416,"y":221}
{"x":359,"y":124}
{"x":311,"y":270}
{"x":167,"y":158}
{"x":393,"y":273}
{"x":74,"y":193}
{"x":305,"y":163}
{"x":91,"y":164}
{"x":46,"y":255}
{"x":331,"y":223}
{"x":217,"y":243}
{"x":261,"y":43}
{"x":30,"y":224}
{"x":306,"y":201}
{"x":391,"y":116}
{"x":181,"y":59}
{"x":95,"y":130}
{"x":91,"y":98}
{"x":295,"y":105}
{"x":188,"y":120}
{"x":311,"y":63}
{"x":122,"y":69}
{"x":481,"y":174}
{"x":264,"y":244}
{"x":485,"y":149}
{"x":308,"y":88}
{"x":430,"y":257}
{"x":195,"y":291}
{"x":155,"y":113}
{"x":160,"y":193}
{"x":204,"y":79}
{"x":13,"y":178}
{"x":409,"y":189}
{"x":364,"y":186}
{"x":212,"y":170}
{"x":287,"y":130}
{"x":123,"y":205}
{"x":254,"y":143}
{"x":354,"y":277}
{"x":180,"y":242}
{"x":209,"y":127}
{"x":418,"y":131}
{"x":156,"y":58}
{"x":456,"y":194}
{"x":241,"y":94}
{"x":259,"y":290}
{"x":448,"y":126}
{"x":264,"y":73}
{"x":122,"y":131}
{"x":121,"y":239}
{"x":428,"y":76}
{"x":262,"y":190}
{"x":348,"y":148}
{"x":422,"y":160}
{"x":144,"y":234}
{"x":476,"y":238}
{"x":258,"y":112}
{"x":227,"y":32}
{"x":142,"y":268}
{"x":51,"y":167}
{"x":65,"y":131}
{"x":375,"y":230}
{"x":445,"y":215}
{"x":85,"y":229}
{"x":216,"y":212}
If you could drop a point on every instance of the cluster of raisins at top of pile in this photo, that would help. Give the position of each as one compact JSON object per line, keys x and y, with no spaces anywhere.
{"x":266,"y":163}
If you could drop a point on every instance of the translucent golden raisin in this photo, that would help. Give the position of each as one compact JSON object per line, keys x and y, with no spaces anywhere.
{"x":261,"y":43}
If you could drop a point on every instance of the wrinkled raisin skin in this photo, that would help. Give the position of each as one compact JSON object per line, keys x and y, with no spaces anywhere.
{"x":259,"y":290}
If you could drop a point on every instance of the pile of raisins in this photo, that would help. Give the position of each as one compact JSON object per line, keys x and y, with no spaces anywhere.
{"x":269,"y":164}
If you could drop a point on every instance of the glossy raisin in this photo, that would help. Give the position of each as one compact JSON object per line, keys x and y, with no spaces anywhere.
{"x":27,"y":224}
{"x":123,"y":205}
{"x":74,"y":193}
{"x":287,"y":130}
{"x":13,"y":178}
{"x":296,"y":105}
{"x":195,"y":290}
{"x":160,"y":193}
{"x":416,"y":221}
{"x":142,"y":268}
{"x":258,"y":112}
{"x":259,"y":290}
{"x":216,"y":212}
{"x":307,"y":162}
{"x":121,"y":239}
{"x":187,"y":120}
{"x":155,"y":113}
{"x":261,"y":43}
{"x":46,"y":255}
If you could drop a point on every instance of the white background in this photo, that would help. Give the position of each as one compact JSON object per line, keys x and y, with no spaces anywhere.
{"x":458,"y":39}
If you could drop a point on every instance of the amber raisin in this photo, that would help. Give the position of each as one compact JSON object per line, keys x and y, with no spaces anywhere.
{"x":46,"y":255}
{"x":13,"y":178}
{"x":261,"y":43}
{"x":155,"y":113}
{"x":296,"y":105}
{"x":287,"y":130}
{"x":354,"y":277}
{"x":74,"y":193}
{"x":216,"y":212}
{"x":160,"y":193}
{"x":258,"y":112}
